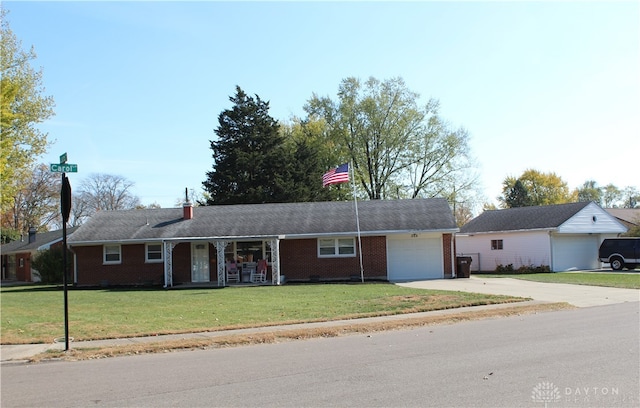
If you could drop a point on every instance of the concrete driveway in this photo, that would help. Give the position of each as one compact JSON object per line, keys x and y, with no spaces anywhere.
{"x":577,"y":295}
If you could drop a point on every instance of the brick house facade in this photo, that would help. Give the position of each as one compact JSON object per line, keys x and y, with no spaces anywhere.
{"x":300,"y":241}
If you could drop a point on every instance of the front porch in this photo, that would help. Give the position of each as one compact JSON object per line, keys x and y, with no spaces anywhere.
{"x":247,"y":253}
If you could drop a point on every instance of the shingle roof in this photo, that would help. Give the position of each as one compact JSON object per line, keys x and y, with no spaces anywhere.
{"x":256,"y":220}
{"x":629,"y":215}
{"x":42,"y":238}
{"x":523,"y":218}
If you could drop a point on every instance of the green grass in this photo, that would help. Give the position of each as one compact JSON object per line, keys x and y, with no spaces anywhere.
{"x":614,"y":280}
{"x":35,"y":314}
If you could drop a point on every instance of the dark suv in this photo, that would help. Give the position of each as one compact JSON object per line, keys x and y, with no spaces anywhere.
{"x":620,"y":252}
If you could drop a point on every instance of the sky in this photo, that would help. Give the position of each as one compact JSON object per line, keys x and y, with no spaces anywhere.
{"x":138,"y":86}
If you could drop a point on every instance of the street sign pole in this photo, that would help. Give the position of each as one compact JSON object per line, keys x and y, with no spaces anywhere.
{"x":64,"y":262}
{"x":65,"y":209}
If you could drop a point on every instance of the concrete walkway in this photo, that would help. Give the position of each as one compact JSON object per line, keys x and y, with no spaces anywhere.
{"x":577,"y":295}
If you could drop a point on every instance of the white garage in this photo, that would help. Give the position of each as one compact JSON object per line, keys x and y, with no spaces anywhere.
{"x":414,"y":258}
{"x":561,"y":237}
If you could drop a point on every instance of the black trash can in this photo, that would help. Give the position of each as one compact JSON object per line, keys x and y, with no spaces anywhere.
{"x":463,"y":264}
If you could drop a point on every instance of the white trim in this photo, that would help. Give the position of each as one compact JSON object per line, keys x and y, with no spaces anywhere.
{"x":160,"y":251}
{"x":470,"y":234}
{"x":336,"y":247}
{"x":167,"y":247}
{"x":104,"y":254}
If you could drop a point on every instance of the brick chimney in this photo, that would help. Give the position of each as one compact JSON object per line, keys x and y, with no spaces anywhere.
{"x":187,"y":207}
{"x":32,"y":234}
{"x":187,"y":211}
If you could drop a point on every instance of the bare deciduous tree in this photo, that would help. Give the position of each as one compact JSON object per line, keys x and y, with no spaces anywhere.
{"x":36,"y":204}
{"x":102,"y":192}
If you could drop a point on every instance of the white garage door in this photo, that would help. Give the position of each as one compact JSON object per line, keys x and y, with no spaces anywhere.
{"x":414,"y":258}
{"x":575,"y":252}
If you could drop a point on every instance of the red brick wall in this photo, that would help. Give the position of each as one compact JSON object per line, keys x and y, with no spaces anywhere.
{"x":299,"y":260}
{"x":182,"y":263}
{"x":133,"y":270}
{"x":446,"y":254}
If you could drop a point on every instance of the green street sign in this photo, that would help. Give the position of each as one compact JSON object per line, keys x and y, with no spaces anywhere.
{"x":63,"y":168}
{"x":63,"y":158}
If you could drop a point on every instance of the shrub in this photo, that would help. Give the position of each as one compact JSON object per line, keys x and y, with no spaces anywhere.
{"x":48,"y":263}
{"x":504,"y":269}
{"x":523,"y":269}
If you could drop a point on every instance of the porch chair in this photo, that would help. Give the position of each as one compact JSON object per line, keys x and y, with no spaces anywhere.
{"x":260,"y":273}
{"x":233,"y":274}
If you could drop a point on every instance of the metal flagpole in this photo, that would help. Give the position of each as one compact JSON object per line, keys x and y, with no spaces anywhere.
{"x":355,"y":202}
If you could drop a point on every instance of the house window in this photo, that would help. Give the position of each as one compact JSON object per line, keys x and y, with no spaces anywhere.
{"x":112,"y":254}
{"x":22,"y":262}
{"x":496,"y":244}
{"x":153,"y":253}
{"x":336,"y":247}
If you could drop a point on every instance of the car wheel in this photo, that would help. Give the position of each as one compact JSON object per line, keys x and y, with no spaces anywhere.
{"x":617,"y":264}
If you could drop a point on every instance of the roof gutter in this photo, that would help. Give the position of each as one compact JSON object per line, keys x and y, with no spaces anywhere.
{"x":258,"y":237}
{"x":464,"y":234}
{"x":176,"y":239}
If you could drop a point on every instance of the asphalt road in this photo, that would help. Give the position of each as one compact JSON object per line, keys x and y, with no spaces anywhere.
{"x":580,"y":357}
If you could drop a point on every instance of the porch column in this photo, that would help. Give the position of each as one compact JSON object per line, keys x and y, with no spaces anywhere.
{"x":221,"y":264}
{"x":274,"y":243}
{"x":168,"y":263}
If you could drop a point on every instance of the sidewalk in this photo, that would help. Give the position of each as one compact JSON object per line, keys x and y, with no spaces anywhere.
{"x":20,"y":353}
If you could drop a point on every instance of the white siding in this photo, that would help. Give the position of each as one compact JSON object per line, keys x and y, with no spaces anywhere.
{"x":519,"y":248}
{"x":591,"y":220}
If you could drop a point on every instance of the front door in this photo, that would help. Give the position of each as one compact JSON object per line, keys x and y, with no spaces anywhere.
{"x":199,"y":262}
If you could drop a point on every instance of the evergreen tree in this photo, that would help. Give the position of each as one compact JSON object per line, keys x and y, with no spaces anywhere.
{"x":250,"y":161}
{"x":517,"y":196}
{"x":312,"y":156}
{"x":305,"y":170}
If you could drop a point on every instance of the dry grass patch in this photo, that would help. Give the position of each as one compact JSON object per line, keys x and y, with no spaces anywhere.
{"x":277,"y":336}
{"x":33,"y":314}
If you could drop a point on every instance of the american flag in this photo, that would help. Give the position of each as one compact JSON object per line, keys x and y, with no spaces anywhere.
{"x":335,"y":176}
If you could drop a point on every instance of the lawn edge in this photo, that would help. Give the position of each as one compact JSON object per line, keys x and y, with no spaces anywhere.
{"x":278,"y":335}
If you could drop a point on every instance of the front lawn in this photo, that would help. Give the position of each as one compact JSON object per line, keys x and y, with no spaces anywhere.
{"x":614,"y":280}
{"x":35,"y":314}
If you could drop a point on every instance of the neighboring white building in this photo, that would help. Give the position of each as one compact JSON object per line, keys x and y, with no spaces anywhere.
{"x":563,"y":237}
